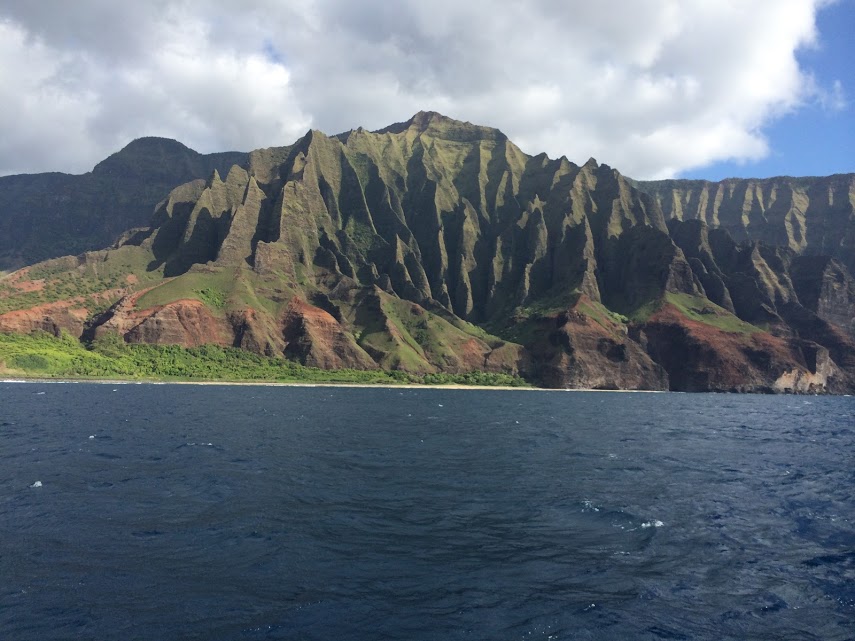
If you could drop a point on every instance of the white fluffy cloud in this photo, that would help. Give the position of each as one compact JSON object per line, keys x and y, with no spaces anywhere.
{"x":74,"y":92}
{"x":652,"y":87}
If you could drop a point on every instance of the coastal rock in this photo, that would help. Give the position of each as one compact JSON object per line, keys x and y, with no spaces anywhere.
{"x":699,"y":358}
{"x":575,"y":350}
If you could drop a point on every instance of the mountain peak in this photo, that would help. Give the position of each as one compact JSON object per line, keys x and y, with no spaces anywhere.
{"x":141,"y":152}
{"x":437,"y":125}
{"x":424,"y":119}
{"x":154,"y":142}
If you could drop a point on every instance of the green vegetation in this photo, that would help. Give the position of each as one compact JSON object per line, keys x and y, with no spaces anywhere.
{"x":520,"y":325}
{"x":44,"y":356}
{"x":401,"y":349}
{"x":83,"y":279}
{"x":601,"y":314}
{"x":219,"y":289}
{"x":524,"y":331}
{"x":474,"y":378}
{"x":212,"y":297}
{"x":702,"y":310}
{"x":11,"y":300}
{"x":696,"y":308}
{"x":546,"y":305}
{"x":402,"y":335}
{"x":643,"y":313}
{"x":526,"y":324}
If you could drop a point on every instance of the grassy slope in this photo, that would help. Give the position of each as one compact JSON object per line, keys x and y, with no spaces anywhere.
{"x":44,"y":356}
{"x":220,"y":289}
{"x":523,"y":325}
{"x":702,"y":310}
{"x":66,"y":278}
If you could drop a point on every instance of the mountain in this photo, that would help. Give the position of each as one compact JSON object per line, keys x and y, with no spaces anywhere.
{"x":813,"y":216}
{"x":48,"y":215}
{"x":435,"y":245}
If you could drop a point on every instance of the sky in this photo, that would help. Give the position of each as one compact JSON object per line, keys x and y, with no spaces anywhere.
{"x":655,"y":88}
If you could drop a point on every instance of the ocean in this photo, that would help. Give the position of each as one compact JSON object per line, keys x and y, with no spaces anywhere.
{"x":329,"y":513}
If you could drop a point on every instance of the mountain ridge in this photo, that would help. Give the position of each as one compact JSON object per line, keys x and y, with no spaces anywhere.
{"x":435,"y":245}
{"x":54,"y":214}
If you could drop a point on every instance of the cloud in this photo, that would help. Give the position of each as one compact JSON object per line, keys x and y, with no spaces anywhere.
{"x":652,"y":87}
{"x":73,"y":93}
{"x":833,"y":99}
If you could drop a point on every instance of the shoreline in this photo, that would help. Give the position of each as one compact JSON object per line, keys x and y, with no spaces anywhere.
{"x":104,"y":381}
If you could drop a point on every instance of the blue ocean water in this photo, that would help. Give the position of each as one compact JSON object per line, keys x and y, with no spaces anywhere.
{"x":250,"y":513}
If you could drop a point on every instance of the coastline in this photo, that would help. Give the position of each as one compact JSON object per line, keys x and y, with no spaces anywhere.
{"x":104,"y":381}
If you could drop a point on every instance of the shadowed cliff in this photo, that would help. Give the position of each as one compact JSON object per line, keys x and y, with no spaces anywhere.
{"x":48,"y":215}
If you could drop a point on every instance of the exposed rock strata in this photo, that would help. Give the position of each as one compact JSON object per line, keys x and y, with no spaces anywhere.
{"x":53,"y":318}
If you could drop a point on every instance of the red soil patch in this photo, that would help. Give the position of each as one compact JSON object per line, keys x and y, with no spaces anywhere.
{"x":20,"y":281}
{"x":49,"y":317}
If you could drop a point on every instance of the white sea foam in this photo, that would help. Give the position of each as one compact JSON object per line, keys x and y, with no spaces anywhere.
{"x":654,"y":523}
{"x":589,"y":505}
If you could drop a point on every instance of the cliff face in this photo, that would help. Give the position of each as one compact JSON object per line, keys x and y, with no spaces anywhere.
{"x":811,"y":216}
{"x":436,"y":245}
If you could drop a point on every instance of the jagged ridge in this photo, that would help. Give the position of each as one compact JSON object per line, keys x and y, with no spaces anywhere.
{"x":384,"y":248}
{"x":814,"y":215}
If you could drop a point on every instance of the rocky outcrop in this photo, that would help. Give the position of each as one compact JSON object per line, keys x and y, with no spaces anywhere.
{"x":254,"y":332}
{"x":825,"y":287}
{"x":313,"y":337}
{"x":699,"y":357}
{"x":188,"y":323}
{"x":576,"y":350}
{"x":54,"y":318}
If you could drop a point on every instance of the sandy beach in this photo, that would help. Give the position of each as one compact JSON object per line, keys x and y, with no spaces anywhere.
{"x":299,"y":384}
